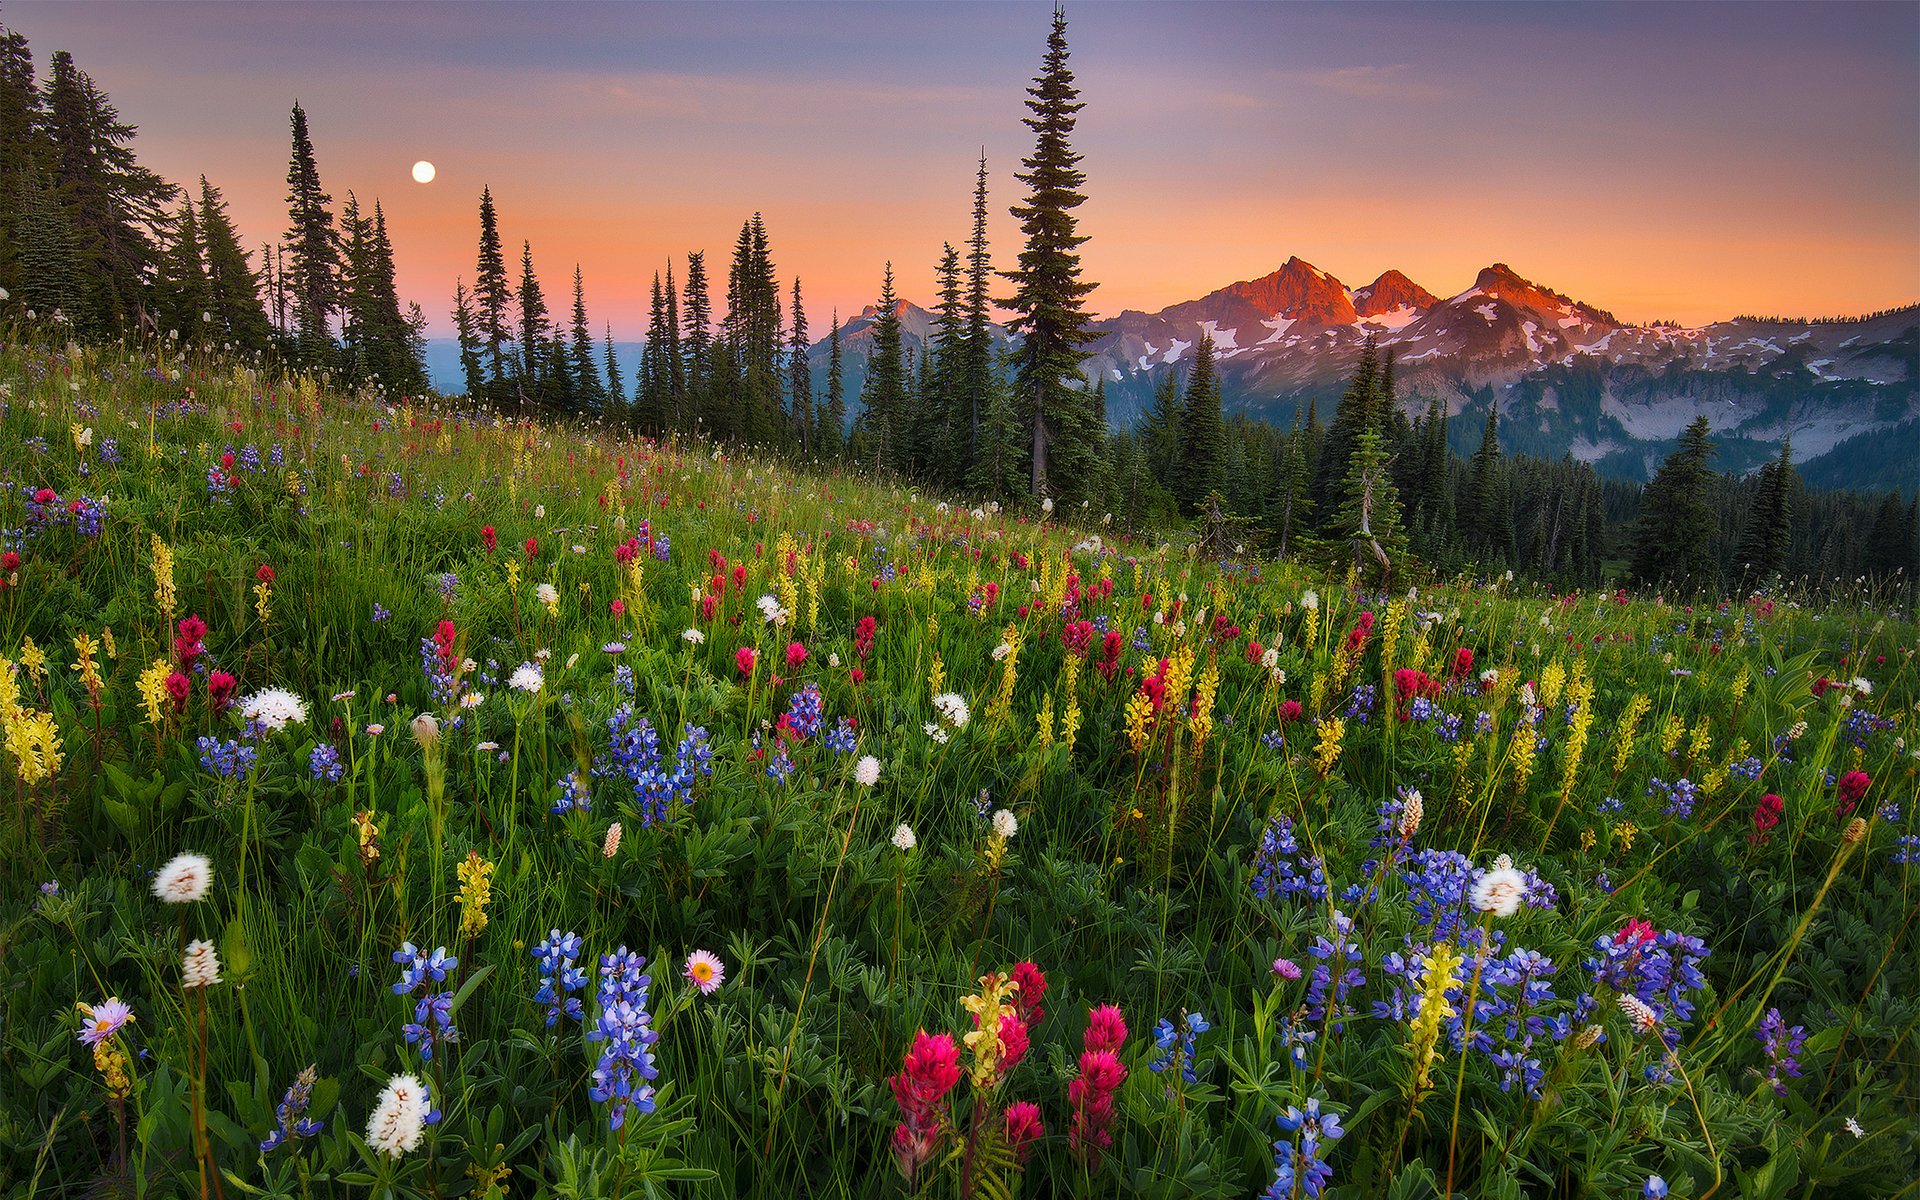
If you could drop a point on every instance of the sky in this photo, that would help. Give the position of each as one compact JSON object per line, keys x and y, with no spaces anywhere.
{"x":1683,"y":161}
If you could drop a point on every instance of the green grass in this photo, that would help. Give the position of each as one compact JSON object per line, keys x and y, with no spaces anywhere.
{"x":1130,"y":879}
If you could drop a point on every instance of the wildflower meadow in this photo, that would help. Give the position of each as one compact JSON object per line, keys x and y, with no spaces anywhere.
{"x":405,"y":800}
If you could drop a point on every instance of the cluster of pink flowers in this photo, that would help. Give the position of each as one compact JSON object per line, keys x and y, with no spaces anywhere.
{"x":1090,"y":1095}
{"x":931,"y":1070}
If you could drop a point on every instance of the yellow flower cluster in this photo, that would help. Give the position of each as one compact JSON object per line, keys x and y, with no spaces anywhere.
{"x":1002,"y":704}
{"x":1629,"y":723}
{"x":1327,"y":752}
{"x":368,"y":834}
{"x":1702,"y":739}
{"x":1139,"y":721}
{"x":30,"y":736}
{"x":163,"y":593}
{"x":263,"y":600}
{"x":1423,"y":1034}
{"x":1552,"y":678}
{"x":987,"y":1007}
{"x":83,"y":647}
{"x":1200,"y":723}
{"x":1525,"y":739}
{"x":1672,"y":732}
{"x":153,"y":689}
{"x":1580,"y":695}
{"x":476,"y":890}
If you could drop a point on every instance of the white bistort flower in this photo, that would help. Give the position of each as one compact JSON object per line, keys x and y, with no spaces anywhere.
{"x":953,"y":707}
{"x":274,"y":709}
{"x":1499,"y":892}
{"x":866,"y":772}
{"x":547,"y":594}
{"x":184,"y":879}
{"x":526,"y":678}
{"x":398,"y":1118}
{"x":1004,"y":823}
{"x":201,"y":967}
{"x":693,"y":637}
{"x":903,"y":839}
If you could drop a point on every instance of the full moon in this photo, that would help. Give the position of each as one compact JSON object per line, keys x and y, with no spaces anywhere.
{"x":423,"y":172}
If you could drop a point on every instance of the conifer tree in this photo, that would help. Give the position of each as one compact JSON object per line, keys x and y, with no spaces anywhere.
{"x":885,"y":391}
{"x":696,"y":338}
{"x":800,"y":377}
{"x":465,"y":328}
{"x":23,"y":149}
{"x":1763,"y":548}
{"x":1160,"y":431}
{"x":833,"y":416}
{"x":492,"y":295}
{"x":233,"y":286}
{"x":650,"y":403}
{"x":400,"y":338}
{"x":1202,"y":435}
{"x":1488,"y":520}
{"x":950,"y":440}
{"x":675,"y":407}
{"x":1358,"y":406}
{"x":1293,"y":497}
{"x":1888,"y":552}
{"x":114,"y":208}
{"x":355,"y":293}
{"x":1369,"y":517}
{"x":1050,"y":394}
{"x":585,"y":376}
{"x":533,"y":327}
{"x":312,"y":246}
{"x":183,"y":294}
{"x":616,"y":386}
{"x":976,"y":369}
{"x":48,"y":261}
{"x":1673,"y":543}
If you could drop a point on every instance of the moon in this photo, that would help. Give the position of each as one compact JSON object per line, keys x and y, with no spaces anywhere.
{"x":423,"y":172}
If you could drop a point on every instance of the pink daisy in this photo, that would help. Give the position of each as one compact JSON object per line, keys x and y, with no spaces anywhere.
{"x":705,"y":971}
{"x":103,"y":1020}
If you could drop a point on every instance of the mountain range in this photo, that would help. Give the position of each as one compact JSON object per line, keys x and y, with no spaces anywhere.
{"x":1569,"y":377}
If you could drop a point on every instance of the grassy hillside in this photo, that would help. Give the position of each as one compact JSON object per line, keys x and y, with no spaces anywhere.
{"x":463,"y":711}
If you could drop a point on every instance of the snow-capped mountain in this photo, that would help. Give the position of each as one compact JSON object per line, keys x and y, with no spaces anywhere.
{"x":1569,"y":377}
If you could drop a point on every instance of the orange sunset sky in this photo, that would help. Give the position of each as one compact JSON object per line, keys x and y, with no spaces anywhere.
{"x":1683,"y":161}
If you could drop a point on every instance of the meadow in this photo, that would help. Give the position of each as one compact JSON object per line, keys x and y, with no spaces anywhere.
{"x":410,"y":800}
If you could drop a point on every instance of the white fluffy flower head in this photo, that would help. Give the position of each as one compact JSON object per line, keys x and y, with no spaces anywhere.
{"x":1499,"y":892}
{"x":953,"y":707}
{"x":274,"y":709}
{"x":903,"y":839}
{"x":526,"y":678}
{"x":184,"y":879}
{"x":866,"y":772}
{"x":201,"y":966}
{"x":1004,"y":823}
{"x":399,"y":1117}
{"x":693,"y":637}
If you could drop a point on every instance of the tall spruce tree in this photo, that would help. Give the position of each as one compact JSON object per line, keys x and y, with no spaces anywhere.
{"x":1488,"y":520}
{"x":1369,"y":517}
{"x":115,"y":208}
{"x":532,"y":303}
{"x":800,"y":377}
{"x":1050,"y":395}
{"x":493,"y":296}
{"x":1357,"y":412}
{"x":977,"y":368}
{"x":833,"y":415}
{"x":24,"y":149}
{"x":615,"y":388}
{"x":467,"y":336}
{"x":586,"y":376}
{"x":950,"y":438}
{"x":183,"y":296}
{"x":1762,"y":553}
{"x":696,"y":339}
{"x":313,"y":248}
{"x":1673,"y":543}
{"x":233,"y":286}
{"x":885,"y":390}
{"x":1202,"y":435}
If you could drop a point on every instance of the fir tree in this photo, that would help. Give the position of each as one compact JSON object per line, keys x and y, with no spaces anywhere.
{"x":1202,"y":435}
{"x":533,"y":327}
{"x":1888,"y":552}
{"x":800,"y":377}
{"x":233,"y":286}
{"x":1357,"y":412}
{"x":651,"y":406}
{"x":616,"y":387}
{"x":696,"y":339}
{"x":585,"y":376}
{"x":1050,"y":394}
{"x":466,"y":333}
{"x":975,"y":375}
{"x":114,"y":207}
{"x":675,"y":407}
{"x":312,"y":246}
{"x":24,"y":150}
{"x":399,"y":339}
{"x":1673,"y":543}
{"x":885,"y":390}
{"x":183,"y":293}
{"x":1488,"y":519}
{"x":1763,"y":548}
{"x":49,"y":264}
{"x":1293,"y":493}
{"x":950,"y":441}
{"x":1160,"y":431}
{"x":833,"y":418}
{"x":492,"y":295}
{"x":1369,"y":515}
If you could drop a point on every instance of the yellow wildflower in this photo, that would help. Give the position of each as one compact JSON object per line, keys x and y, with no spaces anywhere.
{"x":163,"y":593}
{"x":368,"y":833}
{"x":153,"y":688}
{"x":987,"y":1008}
{"x":1423,"y":1033}
{"x":1139,"y":720}
{"x":34,"y":660}
{"x":1327,"y":752}
{"x":476,"y":890}
{"x":83,"y":647}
